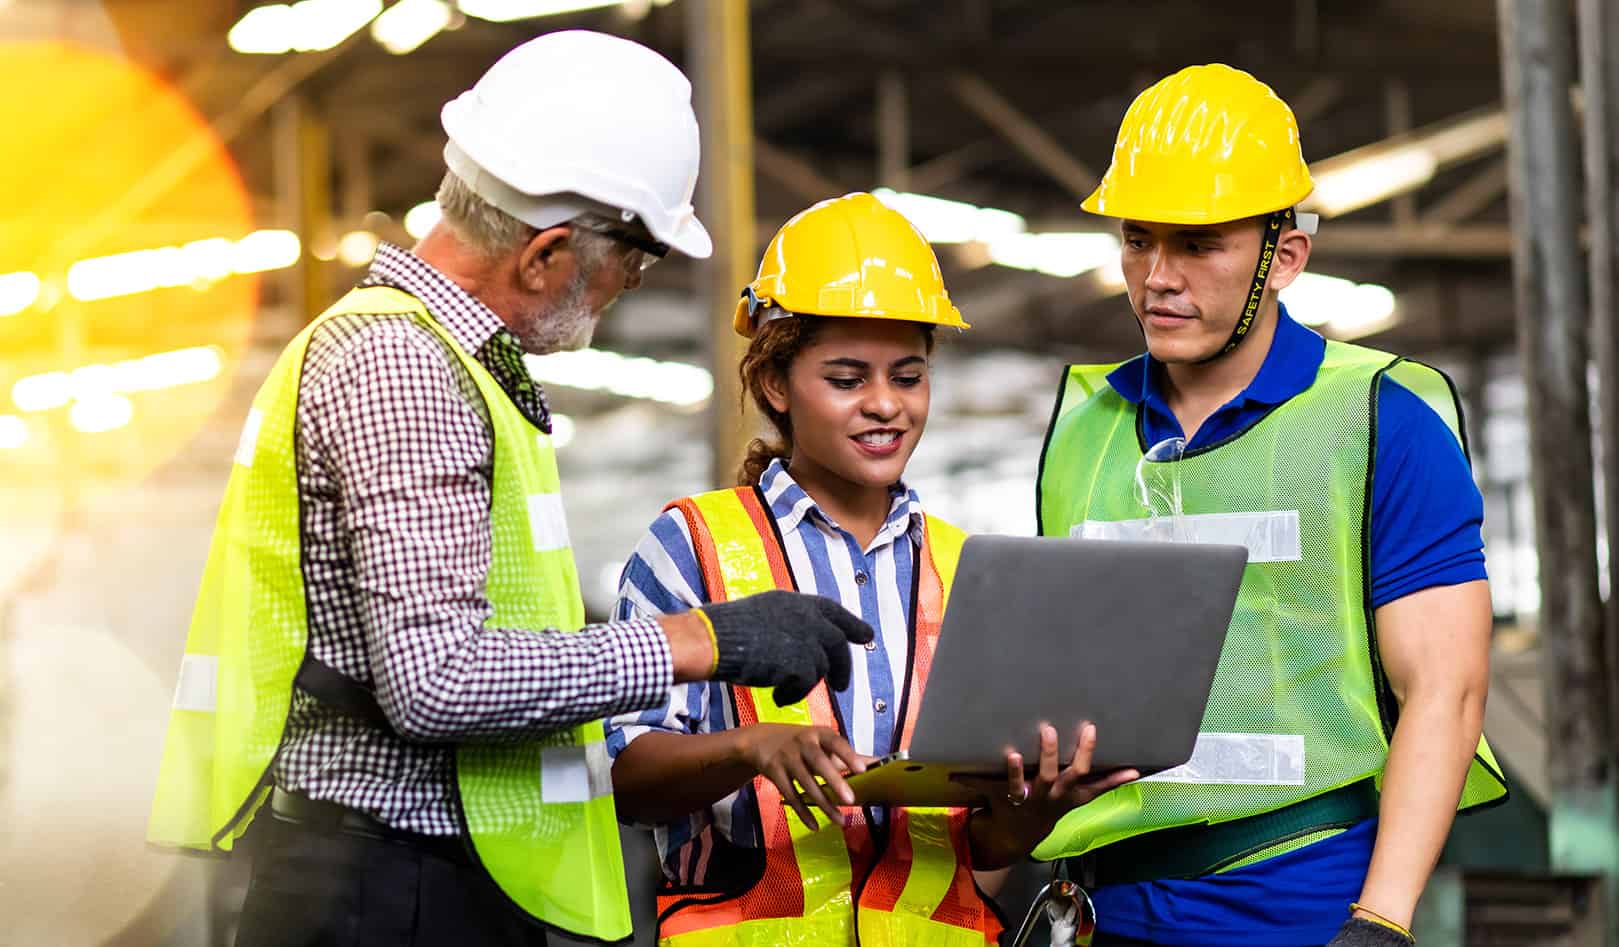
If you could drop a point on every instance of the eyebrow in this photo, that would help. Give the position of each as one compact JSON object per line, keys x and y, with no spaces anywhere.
{"x":856,"y":363}
{"x":1202,"y":233}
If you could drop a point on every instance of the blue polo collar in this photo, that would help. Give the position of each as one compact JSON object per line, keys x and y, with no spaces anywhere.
{"x":1289,"y":368}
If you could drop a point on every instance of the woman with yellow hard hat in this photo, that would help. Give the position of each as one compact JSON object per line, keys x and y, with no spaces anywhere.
{"x":841,"y":322}
{"x":1342,"y":733}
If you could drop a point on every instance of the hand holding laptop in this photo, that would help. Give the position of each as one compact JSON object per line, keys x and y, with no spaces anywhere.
{"x":1023,"y":811}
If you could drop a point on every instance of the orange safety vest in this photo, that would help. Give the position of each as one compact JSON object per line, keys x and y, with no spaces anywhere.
{"x":911,"y":879}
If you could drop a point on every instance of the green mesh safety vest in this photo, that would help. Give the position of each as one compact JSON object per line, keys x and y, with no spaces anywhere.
{"x":537,"y":815}
{"x":1299,"y":705}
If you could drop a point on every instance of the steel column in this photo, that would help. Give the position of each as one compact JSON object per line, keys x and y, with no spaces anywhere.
{"x":1537,"y":50}
{"x":717,"y":33}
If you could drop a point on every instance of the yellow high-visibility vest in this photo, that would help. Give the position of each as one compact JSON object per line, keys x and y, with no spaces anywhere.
{"x":1299,"y":706}
{"x":822,"y":886}
{"x":538,"y":815}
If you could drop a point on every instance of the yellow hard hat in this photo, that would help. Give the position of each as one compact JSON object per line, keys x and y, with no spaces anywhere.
{"x":1206,"y":145}
{"x":851,"y":256}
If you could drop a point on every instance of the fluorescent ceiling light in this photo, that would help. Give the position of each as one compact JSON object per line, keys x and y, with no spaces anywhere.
{"x":198,"y":263}
{"x":422,"y":218}
{"x":306,"y":26}
{"x":676,"y":383}
{"x":502,"y":11}
{"x":91,"y":382}
{"x":1340,"y":307}
{"x":357,"y":247}
{"x":102,"y":413}
{"x":13,"y":432}
{"x":562,"y":430}
{"x":946,"y":221}
{"x":1401,"y":164}
{"x":1372,"y":180}
{"x":266,"y":250}
{"x":1110,"y":276}
{"x":1055,"y":254}
{"x":406,"y":25}
{"x":17,"y":292}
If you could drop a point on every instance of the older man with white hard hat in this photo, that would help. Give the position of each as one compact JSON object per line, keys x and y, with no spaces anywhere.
{"x":387,"y":644}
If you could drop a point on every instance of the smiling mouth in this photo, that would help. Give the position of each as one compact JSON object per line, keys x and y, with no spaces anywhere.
{"x":878,"y":438}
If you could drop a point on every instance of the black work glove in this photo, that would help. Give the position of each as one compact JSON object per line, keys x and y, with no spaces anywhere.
{"x":785,"y":640}
{"x":1359,"y":932}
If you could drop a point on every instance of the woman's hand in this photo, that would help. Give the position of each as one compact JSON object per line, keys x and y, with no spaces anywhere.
{"x":785,"y":753}
{"x":1021,"y":813}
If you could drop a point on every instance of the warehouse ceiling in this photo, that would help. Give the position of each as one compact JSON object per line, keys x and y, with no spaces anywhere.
{"x":1001,"y":103}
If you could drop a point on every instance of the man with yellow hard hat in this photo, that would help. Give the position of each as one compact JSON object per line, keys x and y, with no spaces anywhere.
{"x":1343,"y":732}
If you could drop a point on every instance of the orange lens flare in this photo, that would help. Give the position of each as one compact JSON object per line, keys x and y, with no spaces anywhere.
{"x":107,"y":160}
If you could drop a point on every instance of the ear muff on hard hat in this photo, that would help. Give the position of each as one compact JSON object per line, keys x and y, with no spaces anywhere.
{"x":1207,"y":145}
{"x":851,"y":257}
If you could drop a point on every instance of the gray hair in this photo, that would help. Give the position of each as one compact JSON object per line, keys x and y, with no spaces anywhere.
{"x":493,"y":232}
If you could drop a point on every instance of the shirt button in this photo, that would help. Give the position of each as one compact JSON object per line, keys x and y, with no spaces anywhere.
{"x":881,"y":705}
{"x":871,"y":645}
{"x":860,"y":577}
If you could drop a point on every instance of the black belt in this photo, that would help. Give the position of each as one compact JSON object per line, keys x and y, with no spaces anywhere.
{"x":330,"y":818}
{"x":1192,"y":851}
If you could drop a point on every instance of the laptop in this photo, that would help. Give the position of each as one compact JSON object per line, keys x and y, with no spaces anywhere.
{"x":1124,"y":634}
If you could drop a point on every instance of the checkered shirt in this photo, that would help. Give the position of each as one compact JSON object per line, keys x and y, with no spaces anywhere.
{"x":395,"y":456}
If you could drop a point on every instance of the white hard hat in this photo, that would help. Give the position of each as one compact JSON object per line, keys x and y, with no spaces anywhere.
{"x":576,"y":121}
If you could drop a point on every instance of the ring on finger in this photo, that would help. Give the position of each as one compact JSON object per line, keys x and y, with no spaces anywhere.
{"x":1018,"y":800}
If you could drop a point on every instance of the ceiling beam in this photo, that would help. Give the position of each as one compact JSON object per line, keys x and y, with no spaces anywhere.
{"x":1033,"y":141}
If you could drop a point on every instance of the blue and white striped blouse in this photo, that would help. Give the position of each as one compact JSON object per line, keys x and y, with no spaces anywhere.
{"x":663,"y":577}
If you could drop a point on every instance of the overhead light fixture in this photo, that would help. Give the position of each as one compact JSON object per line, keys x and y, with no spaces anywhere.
{"x":422,"y":218}
{"x":406,"y":25}
{"x":1372,"y":180}
{"x":1404,"y":163}
{"x":504,"y":11}
{"x":1341,"y":308}
{"x":13,"y":432}
{"x":306,"y":26}
{"x":1055,"y":254}
{"x":676,"y":383}
{"x":562,"y":430}
{"x":17,"y":292}
{"x":162,"y":370}
{"x":946,"y":221}
{"x":357,"y":247}
{"x":194,"y":264}
{"x":102,"y":413}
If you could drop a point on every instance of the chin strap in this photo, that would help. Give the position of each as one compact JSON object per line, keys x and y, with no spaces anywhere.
{"x":1256,"y":292}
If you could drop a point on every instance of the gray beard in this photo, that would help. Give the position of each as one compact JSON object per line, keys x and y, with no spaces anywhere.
{"x":567,"y":327}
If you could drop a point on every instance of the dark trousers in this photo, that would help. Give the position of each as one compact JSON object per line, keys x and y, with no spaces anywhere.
{"x":312,"y":888}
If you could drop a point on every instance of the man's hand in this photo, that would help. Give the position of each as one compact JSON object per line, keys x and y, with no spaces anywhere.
{"x":785,"y":640}
{"x":785,"y":753}
{"x":1360,"y":932}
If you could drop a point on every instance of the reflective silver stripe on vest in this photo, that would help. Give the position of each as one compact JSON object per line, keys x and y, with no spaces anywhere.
{"x":249,"y":442}
{"x":575,"y":773}
{"x":198,"y":684}
{"x":547,"y":522}
{"x":1249,"y":759}
{"x":1271,"y":536}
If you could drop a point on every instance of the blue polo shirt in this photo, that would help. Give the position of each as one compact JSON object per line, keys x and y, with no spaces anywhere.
{"x":1426,"y":530}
